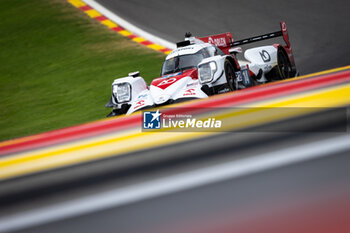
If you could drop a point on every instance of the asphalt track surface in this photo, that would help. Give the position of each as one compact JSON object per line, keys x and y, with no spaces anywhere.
{"x":318,"y":30}
{"x":286,"y":194}
{"x":316,"y":187}
{"x":276,"y":200}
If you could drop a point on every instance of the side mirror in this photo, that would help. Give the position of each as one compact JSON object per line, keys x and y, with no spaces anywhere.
{"x":235,"y":50}
{"x":134,"y":74}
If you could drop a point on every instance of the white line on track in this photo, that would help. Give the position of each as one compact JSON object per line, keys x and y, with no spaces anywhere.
{"x":130,"y":27}
{"x":174,"y":183}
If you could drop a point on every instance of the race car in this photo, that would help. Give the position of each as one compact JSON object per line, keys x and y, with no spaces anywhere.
{"x":201,"y":67}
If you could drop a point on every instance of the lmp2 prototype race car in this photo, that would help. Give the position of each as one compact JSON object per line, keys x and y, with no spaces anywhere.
{"x":201,"y":67}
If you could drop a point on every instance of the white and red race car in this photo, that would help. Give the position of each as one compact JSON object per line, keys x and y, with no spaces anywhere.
{"x":201,"y":67}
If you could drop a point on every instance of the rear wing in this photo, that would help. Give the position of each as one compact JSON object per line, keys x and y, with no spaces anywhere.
{"x":225,"y":41}
{"x":283,"y":32}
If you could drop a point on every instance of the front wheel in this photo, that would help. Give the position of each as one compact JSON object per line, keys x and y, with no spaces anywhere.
{"x":230,"y":76}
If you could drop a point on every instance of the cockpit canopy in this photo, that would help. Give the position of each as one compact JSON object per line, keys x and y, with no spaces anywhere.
{"x":188,"y":61}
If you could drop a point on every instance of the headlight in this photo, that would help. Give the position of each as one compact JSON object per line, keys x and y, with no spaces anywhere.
{"x":122,"y":92}
{"x":206,"y":72}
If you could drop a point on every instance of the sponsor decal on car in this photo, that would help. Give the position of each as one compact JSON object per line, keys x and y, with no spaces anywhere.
{"x":217,"y":41}
{"x":139,"y":103}
{"x":189,"y":92}
{"x":142,"y":96}
{"x":192,"y":84}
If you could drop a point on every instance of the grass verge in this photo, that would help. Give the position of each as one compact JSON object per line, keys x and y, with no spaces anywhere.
{"x":57,"y":66}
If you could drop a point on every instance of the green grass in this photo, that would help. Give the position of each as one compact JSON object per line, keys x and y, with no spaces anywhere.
{"x":57,"y":66}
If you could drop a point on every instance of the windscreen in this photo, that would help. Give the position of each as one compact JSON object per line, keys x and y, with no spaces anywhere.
{"x":183,"y":62}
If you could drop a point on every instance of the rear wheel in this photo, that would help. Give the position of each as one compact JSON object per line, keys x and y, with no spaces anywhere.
{"x":230,"y":76}
{"x":283,"y":65}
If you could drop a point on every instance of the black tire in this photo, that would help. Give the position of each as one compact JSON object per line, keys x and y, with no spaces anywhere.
{"x":283,"y":65}
{"x":230,"y":76}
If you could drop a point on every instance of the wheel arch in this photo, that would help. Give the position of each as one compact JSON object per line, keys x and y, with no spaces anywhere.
{"x":233,"y":62}
{"x":288,"y":53}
